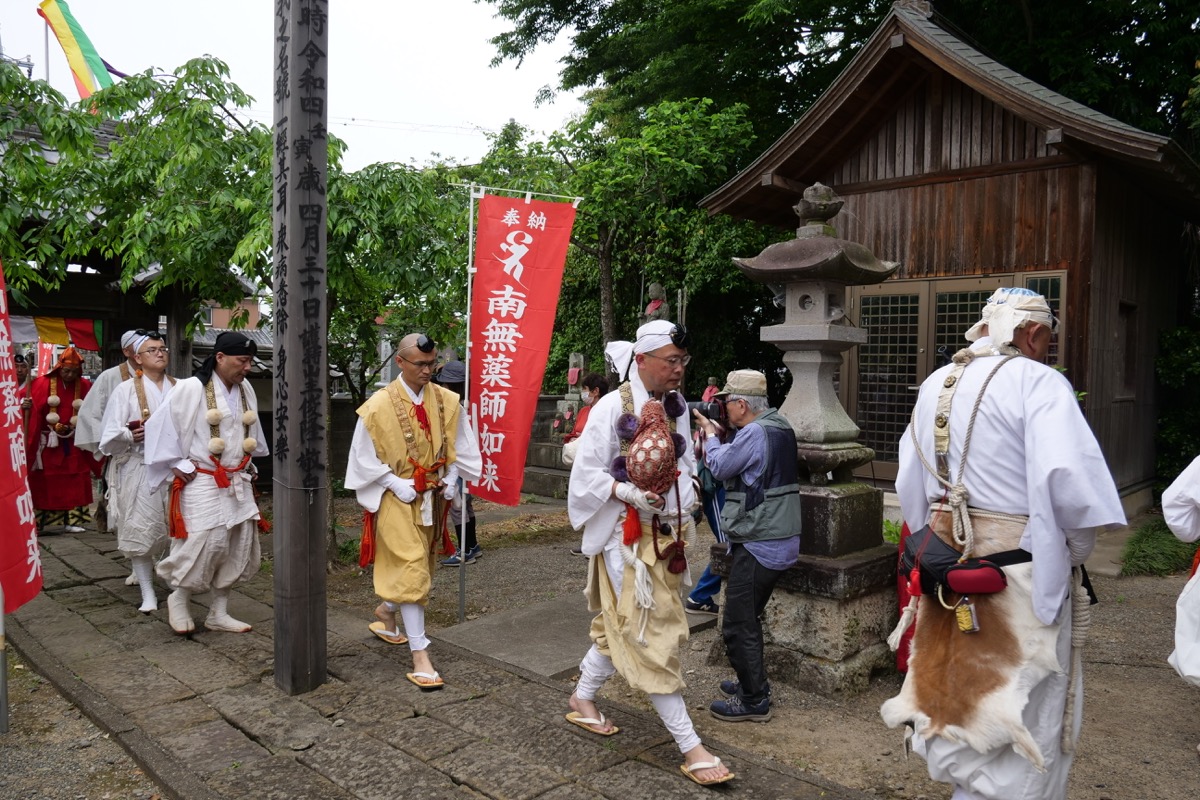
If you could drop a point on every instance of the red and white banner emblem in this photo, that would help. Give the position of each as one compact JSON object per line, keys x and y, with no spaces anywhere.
{"x":520,"y":250}
{"x":20,"y":559}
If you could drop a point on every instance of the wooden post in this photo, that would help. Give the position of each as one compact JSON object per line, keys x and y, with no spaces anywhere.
{"x":301,"y":484}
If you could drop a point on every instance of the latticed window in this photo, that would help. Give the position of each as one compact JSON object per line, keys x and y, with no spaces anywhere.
{"x":887,"y":367}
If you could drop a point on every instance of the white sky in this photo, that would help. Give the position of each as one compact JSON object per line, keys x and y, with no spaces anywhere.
{"x":407,"y":78}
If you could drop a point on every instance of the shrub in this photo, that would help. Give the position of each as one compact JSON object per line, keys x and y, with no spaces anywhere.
{"x":1154,"y":550}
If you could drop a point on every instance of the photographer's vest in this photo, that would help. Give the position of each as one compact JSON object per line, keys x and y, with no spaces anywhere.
{"x":770,"y":509}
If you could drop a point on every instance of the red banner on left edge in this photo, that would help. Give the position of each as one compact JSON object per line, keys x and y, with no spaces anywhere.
{"x":20,"y":558}
{"x":520,"y":251}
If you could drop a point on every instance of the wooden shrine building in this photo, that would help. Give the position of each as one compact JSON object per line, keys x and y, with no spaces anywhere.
{"x":973,"y":177}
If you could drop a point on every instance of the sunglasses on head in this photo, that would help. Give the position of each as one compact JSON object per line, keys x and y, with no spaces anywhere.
{"x":680,"y":337}
{"x":151,"y":334}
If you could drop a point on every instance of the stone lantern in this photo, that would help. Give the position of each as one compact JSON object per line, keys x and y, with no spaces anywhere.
{"x":831,"y":613}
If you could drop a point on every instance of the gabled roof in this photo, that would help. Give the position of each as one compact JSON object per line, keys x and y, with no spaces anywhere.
{"x":908,"y":46}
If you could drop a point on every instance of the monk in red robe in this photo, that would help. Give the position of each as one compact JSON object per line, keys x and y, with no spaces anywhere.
{"x":60,"y":474}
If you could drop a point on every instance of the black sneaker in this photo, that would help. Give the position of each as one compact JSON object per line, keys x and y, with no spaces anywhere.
{"x":731,"y":688}
{"x":704,"y":609}
{"x":736,"y":710}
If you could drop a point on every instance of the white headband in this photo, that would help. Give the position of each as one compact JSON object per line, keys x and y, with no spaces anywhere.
{"x":1008,"y":309}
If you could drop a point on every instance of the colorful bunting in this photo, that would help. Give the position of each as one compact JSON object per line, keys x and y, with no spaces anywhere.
{"x":85,"y":334}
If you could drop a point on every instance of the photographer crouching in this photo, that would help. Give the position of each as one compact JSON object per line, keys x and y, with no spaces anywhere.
{"x":761,"y":518}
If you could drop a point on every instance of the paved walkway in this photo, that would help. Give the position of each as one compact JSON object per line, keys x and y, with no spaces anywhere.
{"x":203,"y":716}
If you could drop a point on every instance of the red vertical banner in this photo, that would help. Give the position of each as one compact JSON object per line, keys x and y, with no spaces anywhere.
{"x":520,"y":251}
{"x":20,"y":559}
{"x":45,"y":357}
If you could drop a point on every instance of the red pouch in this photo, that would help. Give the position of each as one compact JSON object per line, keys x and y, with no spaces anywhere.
{"x":975,"y":576}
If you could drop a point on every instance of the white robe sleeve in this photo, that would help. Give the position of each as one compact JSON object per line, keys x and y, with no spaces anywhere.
{"x":467,"y":456}
{"x":365,"y":473}
{"x":91,"y":414}
{"x":115,"y":436}
{"x":169,"y":432}
{"x":1181,"y":504}
{"x":1071,"y":490}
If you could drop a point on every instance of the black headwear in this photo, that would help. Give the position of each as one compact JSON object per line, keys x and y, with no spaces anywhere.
{"x":231,"y":343}
{"x":18,"y":358}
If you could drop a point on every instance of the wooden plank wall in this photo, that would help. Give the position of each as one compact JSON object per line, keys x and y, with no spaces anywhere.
{"x":1017,"y":221}
{"x":941,"y":126}
{"x":1137,"y":261}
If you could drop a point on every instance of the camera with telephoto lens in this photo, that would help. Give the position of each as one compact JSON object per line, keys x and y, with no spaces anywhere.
{"x":713,"y":410}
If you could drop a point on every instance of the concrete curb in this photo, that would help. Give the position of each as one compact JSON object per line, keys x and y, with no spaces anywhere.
{"x":176,"y":779}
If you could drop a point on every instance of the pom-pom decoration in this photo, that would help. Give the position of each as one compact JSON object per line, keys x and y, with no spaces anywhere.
{"x":52,"y":418}
{"x":213,"y":416}
{"x":216,"y":445}
{"x":626,"y":425}
{"x":674,"y":405}
{"x":248,"y":419}
{"x":680,"y":445}
{"x":618,"y":471}
{"x":76,"y":404}
{"x":53,"y":401}
{"x":248,"y":444}
{"x":74,"y":420}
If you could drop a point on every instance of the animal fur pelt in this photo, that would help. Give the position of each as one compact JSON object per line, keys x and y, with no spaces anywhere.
{"x":971,"y":688}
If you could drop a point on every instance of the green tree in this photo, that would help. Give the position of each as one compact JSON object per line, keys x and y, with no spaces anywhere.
{"x":159,"y":174}
{"x":639,"y":222}
{"x":1131,"y":59}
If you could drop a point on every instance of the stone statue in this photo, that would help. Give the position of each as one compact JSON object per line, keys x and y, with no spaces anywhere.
{"x":658,"y":307}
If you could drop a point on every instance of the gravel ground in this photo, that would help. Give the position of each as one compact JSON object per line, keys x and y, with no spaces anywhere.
{"x":53,"y":752}
{"x":1141,"y":723}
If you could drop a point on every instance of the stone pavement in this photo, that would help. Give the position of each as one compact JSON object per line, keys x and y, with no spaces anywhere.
{"x":203,"y":717}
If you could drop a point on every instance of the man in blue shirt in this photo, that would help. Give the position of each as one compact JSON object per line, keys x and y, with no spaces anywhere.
{"x":761,"y":518}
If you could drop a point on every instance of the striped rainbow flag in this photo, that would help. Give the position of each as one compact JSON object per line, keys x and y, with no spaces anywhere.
{"x":90,"y":71}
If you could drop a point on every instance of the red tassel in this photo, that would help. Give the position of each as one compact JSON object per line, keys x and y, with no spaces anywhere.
{"x":448,"y":548}
{"x":264,"y":526}
{"x":633,"y":525}
{"x":366,"y":545}
{"x":1195,"y":563}
{"x":175,"y":525}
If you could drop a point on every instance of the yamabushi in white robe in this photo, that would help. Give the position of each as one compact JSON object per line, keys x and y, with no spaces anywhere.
{"x":137,"y":512}
{"x":1032,"y":454}
{"x":222,"y":546}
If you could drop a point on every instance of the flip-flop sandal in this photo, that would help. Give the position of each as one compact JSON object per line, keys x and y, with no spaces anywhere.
{"x":691,"y":772}
{"x":426,"y":681}
{"x":391,"y":637}
{"x":575,"y":718}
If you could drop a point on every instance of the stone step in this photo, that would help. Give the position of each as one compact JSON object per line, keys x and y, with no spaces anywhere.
{"x":544,"y":454}
{"x":546,"y":482}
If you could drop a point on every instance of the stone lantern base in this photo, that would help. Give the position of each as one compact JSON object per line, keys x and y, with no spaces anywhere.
{"x":826,"y":626}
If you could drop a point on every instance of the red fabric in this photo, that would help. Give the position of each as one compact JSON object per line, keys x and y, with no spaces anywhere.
{"x":573,"y":376}
{"x":902,"y":592}
{"x":448,"y":548}
{"x":20,"y":558}
{"x":176,"y":527}
{"x":580,"y":421}
{"x":422,"y":419}
{"x":709,"y":393}
{"x":366,"y":545}
{"x":1195,"y":563}
{"x":221,"y":472}
{"x":65,"y":480}
{"x":520,"y":250}
{"x":421,"y":482}
{"x":82,"y":333}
